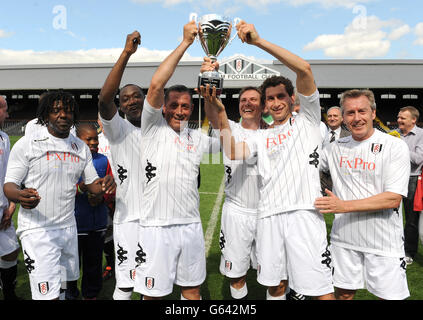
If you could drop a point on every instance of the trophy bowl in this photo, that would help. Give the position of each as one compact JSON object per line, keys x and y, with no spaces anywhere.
{"x":214,"y":35}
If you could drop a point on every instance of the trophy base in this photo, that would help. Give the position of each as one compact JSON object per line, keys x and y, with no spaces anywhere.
{"x":212,"y":79}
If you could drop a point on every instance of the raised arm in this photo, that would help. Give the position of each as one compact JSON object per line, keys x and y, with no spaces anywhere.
{"x":106,"y":105}
{"x":305,"y":80}
{"x":211,"y":112}
{"x":216,"y":109}
{"x":155,"y":95}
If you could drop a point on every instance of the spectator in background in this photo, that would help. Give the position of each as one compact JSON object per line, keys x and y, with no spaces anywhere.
{"x":334,"y":123}
{"x":413,"y":136}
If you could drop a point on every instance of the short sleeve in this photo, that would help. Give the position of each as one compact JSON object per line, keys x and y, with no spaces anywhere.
{"x":18,"y":164}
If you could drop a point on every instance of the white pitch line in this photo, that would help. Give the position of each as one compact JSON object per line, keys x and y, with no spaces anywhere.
{"x":214,"y":216}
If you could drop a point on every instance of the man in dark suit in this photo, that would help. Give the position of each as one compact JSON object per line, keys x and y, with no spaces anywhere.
{"x":335,"y":131}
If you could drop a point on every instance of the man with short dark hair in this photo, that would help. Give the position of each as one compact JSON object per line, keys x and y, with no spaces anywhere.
{"x":291,"y":234}
{"x":171,"y":240}
{"x":413,"y":137}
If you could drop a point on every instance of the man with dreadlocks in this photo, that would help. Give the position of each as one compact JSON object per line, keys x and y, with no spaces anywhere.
{"x":44,"y":168}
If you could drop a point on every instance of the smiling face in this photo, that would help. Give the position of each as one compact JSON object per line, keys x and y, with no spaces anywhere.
{"x":60,"y":119}
{"x":178,"y":109}
{"x":249,"y":106}
{"x":334,"y":118}
{"x":358,"y":117}
{"x":131,"y":101}
{"x":406,"y":121}
{"x":279,"y":103}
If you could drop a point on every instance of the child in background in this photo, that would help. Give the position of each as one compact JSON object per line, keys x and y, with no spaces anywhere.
{"x":91,"y":219}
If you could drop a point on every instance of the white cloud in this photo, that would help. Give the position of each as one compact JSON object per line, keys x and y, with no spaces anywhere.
{"x":365,"y":37}
{"x":5,"y":34}
{"x":399,"y":32}
{"x":418,"y":31}
{"x":15,"y":57}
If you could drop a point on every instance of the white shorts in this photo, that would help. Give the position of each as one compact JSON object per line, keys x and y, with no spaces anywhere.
{"x":385,"y":277}
{"x":8,"y":241}
{"x":171,"y":255}
{"x":125,"y":237}
{"x":237,"y":242}
{"x":50,"y":257}
{"x":293,"y":245}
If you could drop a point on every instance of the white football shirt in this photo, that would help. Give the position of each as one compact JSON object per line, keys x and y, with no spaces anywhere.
{"x":360,"y":170}
{"x":242,"y":184}
{"x":125,"y":148}
{"x":171,"y":164}
{"x":53,"y":167}
{"x":4,"y":156}
{"x":288,"y":160}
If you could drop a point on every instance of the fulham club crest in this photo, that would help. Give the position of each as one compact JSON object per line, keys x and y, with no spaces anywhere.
{"x":228,"y":265}
{"x":43,"y":287}
{"x":132,"y":274}
{"x":376,"y":148}
{"x":149,"y":283}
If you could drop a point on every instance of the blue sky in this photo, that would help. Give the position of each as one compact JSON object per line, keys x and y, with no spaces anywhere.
{"x":76,"y":31}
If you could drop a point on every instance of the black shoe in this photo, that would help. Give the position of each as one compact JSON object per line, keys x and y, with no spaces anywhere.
{"x":292,"y":295}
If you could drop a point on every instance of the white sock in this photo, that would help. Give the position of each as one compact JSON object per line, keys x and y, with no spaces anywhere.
{"x":270,"y":297}
{"x":239,"y":293}
{"x":121,"y":295}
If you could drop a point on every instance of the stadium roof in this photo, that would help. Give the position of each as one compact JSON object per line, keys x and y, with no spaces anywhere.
{"x":238,"y":71}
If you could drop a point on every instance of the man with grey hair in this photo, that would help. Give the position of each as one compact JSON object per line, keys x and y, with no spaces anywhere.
{"x":334,"y":122}
{"x":369,"y":170}
{"x":413,"y":137}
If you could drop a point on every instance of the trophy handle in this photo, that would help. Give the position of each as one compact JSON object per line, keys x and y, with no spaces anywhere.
{"x":193,"y":17}
{"x":236,"y":21}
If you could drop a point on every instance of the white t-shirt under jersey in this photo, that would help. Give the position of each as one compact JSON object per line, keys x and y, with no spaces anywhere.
{"x":242,"y":184}
{"x":171,"y":164}
{"x":125,"y":148}
{"x":288,"y":158}
{"x":4,"y":156}
{"x":360,"y":170}
{"x":53,"y":167}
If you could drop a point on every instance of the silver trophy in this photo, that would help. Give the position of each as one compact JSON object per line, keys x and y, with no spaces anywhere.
{"x":214,"y":35}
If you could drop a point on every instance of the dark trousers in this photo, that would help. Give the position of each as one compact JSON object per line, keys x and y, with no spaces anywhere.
{"x":90,"y":247}
{"x":411,"y":228}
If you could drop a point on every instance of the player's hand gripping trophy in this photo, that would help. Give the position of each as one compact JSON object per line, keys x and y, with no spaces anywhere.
{"x":214,"y":35}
